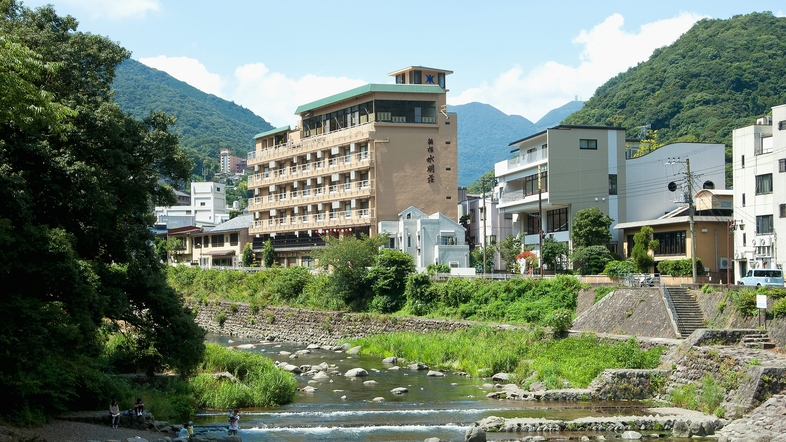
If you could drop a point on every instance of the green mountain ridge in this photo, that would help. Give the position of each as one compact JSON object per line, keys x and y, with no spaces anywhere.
{"x":718,"y":76}
{"x":205,"y":122}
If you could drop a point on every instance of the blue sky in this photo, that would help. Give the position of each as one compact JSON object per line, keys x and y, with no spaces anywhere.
{"x":522,"y":57}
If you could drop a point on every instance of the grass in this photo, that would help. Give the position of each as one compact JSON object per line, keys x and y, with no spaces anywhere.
{"x":707,"y":398}
{"x":483,"y":350}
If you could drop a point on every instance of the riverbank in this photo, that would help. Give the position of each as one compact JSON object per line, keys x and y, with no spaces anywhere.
{"x":72,"y":431}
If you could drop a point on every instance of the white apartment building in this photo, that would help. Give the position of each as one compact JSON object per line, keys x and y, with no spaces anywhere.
{"x":208,"y":206}
{"x":578,"y":167}
{"x":759,"y":164}
{"x":484,"y":215}
{"x":429,"y":239}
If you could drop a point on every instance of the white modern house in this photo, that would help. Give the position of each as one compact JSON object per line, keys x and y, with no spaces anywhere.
{"x":759,"y":164}
{"x":208,"y":206}
{"x":429,"y":239}
{"x":484,"y":216}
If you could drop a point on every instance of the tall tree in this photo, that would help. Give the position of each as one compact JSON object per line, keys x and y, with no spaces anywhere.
{"x":554,"y":254}
{"x":642,"y":245}
{"x":77,"y":179}
{"x":591,"y":228}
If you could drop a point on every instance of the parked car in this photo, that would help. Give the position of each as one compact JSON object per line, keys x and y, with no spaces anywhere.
{"x":760,"y":277}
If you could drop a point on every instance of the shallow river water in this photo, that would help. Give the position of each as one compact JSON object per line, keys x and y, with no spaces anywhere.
{"x":343,"y":409}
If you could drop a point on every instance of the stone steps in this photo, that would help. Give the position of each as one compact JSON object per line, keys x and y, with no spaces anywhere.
{"x":688,"y":314}
{"x":758,"y":340}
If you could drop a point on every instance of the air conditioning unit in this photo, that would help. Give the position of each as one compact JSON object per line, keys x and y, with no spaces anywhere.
{"x":765,"y":241}
{"x":737,"y":255}
{"x":724,"y":264}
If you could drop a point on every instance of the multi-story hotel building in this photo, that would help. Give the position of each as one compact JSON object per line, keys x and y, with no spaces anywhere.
{"x":355,"y":159}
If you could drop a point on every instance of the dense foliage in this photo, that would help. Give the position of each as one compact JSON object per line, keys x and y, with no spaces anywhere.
{"x":77,"y":177}
{"x":522,"y":352}
{"x":680,"y":267}
{"x":205,"y":122}
{"x":590,"y":228}
{"x":718,"y":76}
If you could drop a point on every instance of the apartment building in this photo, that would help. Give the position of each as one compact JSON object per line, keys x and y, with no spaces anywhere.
{"x":555,"y":173}
{"x":483,"y":215}
{"x":759,"y":176}
{"x":207,"y":207}
{"x":229,"y":163}
{"x":354,"y":159}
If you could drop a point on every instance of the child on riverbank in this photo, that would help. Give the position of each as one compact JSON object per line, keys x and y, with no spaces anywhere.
{"x":234,"y":423}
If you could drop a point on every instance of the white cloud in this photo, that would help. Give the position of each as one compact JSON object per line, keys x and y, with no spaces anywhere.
{"x":275,"y":97}
{"x":115,"y":9}
{"x":608,"y":50}
{"x":188,"y":70}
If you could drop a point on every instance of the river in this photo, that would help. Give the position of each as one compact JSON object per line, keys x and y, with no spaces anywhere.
{"x":343,"y":409}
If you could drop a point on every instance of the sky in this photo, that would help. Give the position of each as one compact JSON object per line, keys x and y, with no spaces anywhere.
{"x":520,"y":56}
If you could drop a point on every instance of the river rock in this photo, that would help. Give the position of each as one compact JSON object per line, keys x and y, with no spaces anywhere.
{"x":631,"y":435}
{"x":417,"y":366}
{"x":356,"y":372}
{"x":399,"y":390}
{"x":354,"y":350}
{"x":491,"y":423}
{"x":303,"y":352}
{"x":284,"y":353}
{"x":313,"y":346}
{"x":370,"y":383}
{"x":500,"y":377}
{"x":378,"y":399}
{"x":435,"y":373}
{"x":291,"y":368}
{"x":294,"y":356}
{"x":432,"y":439}
{"x":321,"y":376}
{"x":537,"y":386}
{"x":309,"y":389}
{"x":390,"y":360}
{"x":681,"y":429}
{"x":394,"y":368}
{"x":475,"y":434}
{"x":696,"y":429}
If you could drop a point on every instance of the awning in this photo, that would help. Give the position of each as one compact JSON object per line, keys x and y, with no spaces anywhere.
{"x":219,"y":253}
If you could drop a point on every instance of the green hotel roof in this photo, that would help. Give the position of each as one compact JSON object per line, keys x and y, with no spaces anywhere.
{"x":405,"y":88}
{"x":272,"y":132}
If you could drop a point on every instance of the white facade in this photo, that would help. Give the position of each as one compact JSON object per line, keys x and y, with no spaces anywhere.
{"x":759,"y":162}
{"x":208,"y":205}
{"x":429,"y":239}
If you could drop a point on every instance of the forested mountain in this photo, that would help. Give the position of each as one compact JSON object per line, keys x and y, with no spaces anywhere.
{"x":205,"y":123}
{"x":720,"y":75}
{"x":484,"y":135}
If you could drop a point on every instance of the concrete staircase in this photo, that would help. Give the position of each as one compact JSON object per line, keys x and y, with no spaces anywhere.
{"x":758,"y":339}
{"x":687,"y":312}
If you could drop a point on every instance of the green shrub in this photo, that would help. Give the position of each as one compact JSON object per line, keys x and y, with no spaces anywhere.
{"x":221,"y":318}
{"x":745,"y":301}
{"x":618,"y":269}
{"x":779,"y":308}
{"x":560,"y":320}
{"x":706,"y":288}
{"x":680,"y":267}
{"x":433,"y":269}
{"x":288,"y":283}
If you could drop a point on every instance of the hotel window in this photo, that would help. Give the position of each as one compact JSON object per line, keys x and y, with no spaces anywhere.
{"x":533,"y":224}
{"x":198,"y":243}
{"x":782,"y":165}
{"x":782,"y":125}
{"x":557,"y":220}
{"x":764,"y":184}
{"x":782,"y":208}
{"x":613,"y":184}
{"x":588,"y":144}
{"x":764,"y":225}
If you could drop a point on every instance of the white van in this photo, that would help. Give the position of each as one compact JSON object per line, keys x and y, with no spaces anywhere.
{"x":759,"y":277}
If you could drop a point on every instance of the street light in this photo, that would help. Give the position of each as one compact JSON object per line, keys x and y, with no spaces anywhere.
{"x":732,"y":224}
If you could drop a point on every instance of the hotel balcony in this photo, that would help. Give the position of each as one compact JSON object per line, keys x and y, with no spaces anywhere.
{"x":311,"y":144}
{"x":341,"y":191}
{"x":353,"y":161}
{"x":315,"y":221}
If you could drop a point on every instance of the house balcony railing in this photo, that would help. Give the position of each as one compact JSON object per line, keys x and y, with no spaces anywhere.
{"x":518,"y":196}
{"x":315,"y":221}
{"x":523,"y":160}
{"x":353,"y":161}
{"x":310,"y":144}
{"x":341,"y":191}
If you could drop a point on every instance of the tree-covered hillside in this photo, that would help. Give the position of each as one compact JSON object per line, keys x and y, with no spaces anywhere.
{"x":720,"y":75}
{"x":205,"y":123}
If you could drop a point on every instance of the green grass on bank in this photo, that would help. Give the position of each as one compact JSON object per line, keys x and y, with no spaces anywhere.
{"x":482,"y":350}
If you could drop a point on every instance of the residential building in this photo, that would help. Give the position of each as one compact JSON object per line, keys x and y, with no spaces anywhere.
{"x":428,"y":239}
{"x":208,"y":206}
{"x":759,"y":176}
{"x":564,"y":169}
{"x":221,"y":245}
{"x":355,"y":158}
{"x":713,"y":211}
{"x":496,"y":224}
{"x":229,"y":163}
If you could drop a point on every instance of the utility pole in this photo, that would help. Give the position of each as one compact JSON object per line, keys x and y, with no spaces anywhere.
{"x":491,"y":181}
{"x":540,"y":223}
{"x":691,"y":210}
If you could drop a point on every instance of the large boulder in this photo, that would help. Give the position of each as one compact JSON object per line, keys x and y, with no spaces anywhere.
{"x":631,"y":435}
{"x":681,"y":429}
{"x":475,"y":434}
{"x":500,"y":377}
{"x":399,"y":390}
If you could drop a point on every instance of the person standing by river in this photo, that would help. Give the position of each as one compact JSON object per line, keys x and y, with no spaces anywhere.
{"x":114,"y":410}
{"x":234,"y":423}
